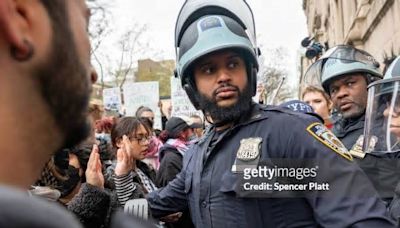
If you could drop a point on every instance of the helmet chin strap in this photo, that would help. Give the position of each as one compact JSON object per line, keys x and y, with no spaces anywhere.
{"x":191,"y":91}
{"x":252,"y":72}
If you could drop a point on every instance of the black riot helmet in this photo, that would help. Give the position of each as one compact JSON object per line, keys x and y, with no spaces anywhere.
{"x":207,"y":26}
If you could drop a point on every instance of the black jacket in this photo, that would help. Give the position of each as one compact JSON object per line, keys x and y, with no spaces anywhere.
{"x":94,"y":206}
{"x":348,"y":131}
{"x":170,"y":165}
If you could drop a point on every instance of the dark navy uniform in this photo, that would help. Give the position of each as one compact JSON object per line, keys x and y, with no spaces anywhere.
{"x":348,"y":131}
{"x":208,"y":186}
{"x":382,"y":169}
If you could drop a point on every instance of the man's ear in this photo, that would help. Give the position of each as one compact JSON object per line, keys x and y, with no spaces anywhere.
{"x":14,"y":25}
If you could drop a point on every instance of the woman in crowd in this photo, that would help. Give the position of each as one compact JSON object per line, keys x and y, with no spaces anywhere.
{"x":320,"y":102}
{"x":132,"y":177}
{"x":74,"y":178}
{"x":151,"y":158}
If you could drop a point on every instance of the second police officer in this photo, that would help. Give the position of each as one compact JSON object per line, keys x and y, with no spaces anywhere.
{"x":382,"y":128}
{"x":345,"y":73}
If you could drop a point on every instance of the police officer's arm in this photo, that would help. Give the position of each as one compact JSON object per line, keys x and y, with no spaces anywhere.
{"x":351,"y":200}
{"x":172,"y":198}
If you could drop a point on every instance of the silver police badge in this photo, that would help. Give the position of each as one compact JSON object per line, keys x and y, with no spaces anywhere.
{"x":357,"y":149}
{"x":249,"y":149}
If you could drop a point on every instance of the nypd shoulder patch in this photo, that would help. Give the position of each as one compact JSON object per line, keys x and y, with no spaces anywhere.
{"x":326,"y":137}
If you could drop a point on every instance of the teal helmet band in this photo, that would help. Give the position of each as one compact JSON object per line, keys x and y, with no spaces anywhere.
{"x":336,"y":68}
{"x":209,"y":34}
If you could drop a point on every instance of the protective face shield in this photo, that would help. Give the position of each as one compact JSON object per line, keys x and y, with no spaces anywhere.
{"x":207,"y":26}
{"x":382,"y":117}
{"x":341,"y":60}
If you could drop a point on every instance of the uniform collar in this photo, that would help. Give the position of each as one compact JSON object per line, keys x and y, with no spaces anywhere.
{"x":256,"y":112}
{"x":342,"y":126}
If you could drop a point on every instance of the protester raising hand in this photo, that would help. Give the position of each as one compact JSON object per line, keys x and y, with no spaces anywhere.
{"x":94,"y":175}
{"x":124,"y":158}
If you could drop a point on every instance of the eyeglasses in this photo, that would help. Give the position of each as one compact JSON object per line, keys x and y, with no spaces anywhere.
{"x":141,"y":140}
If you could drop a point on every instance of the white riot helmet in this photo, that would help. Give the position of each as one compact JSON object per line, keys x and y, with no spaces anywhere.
{"x":207,"y":26}
{"x":339,"y":61}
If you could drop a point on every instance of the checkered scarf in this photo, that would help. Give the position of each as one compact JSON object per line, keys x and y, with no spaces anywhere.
{"x":179,"y":144}
{"x":147,"y":183}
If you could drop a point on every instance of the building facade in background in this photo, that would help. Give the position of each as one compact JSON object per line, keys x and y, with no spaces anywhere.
{"x":371,"y":25}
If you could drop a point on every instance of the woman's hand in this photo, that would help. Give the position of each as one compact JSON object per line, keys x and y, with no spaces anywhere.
{"x":94,"y":174}
{"x":124,"y":158}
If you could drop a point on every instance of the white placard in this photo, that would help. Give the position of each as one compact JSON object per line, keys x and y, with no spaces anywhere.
{"x":138,"y":94}
{"x":181,"y":105}
{"x":112,"y":99}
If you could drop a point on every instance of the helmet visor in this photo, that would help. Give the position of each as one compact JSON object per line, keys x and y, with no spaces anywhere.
{"x":313,"y":74}
{"x":382,"y":119}
{"x":350,"y":54}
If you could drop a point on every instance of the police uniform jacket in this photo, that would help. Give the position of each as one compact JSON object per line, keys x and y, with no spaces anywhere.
{"x":348,"y":130}
{"x":209,"y":188}
{"x":383,"y":170}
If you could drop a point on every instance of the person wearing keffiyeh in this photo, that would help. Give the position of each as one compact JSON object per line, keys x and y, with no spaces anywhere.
{"x":176,"y":138}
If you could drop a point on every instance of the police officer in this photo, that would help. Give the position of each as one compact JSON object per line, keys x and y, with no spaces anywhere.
{"x":217,"y":64}
{"x":345,"y":73}
{"x":382,"y":140}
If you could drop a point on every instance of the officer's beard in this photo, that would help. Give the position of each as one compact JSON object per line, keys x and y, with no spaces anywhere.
{"x":225,"y":114}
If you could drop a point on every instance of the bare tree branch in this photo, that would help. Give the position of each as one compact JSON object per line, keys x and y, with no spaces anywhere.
{"x":273,"y":69}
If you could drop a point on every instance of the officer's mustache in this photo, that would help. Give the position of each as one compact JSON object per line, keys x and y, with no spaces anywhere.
{"x":225,"y":86}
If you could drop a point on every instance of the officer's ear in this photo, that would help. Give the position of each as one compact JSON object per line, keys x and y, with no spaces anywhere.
{"x":16,"y":19}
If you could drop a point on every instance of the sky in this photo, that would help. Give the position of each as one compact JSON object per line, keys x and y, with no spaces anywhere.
{"x":279,"y":23}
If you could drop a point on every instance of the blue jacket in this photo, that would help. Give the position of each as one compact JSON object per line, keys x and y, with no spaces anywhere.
{"x":212,"y":191}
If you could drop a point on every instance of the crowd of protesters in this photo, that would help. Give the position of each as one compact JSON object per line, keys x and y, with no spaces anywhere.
{"x":94,"y":185}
